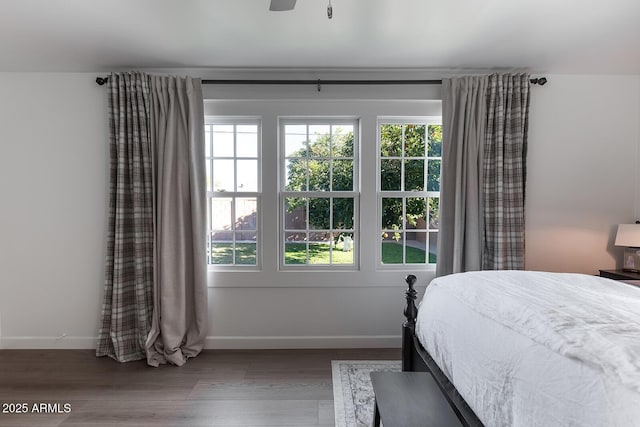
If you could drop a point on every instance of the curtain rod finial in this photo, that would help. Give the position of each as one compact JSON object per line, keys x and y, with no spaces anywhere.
{"x":102,"y":80}
{"x":540,"y":81}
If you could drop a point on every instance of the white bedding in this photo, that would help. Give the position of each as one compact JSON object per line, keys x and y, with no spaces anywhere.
{"x":535,"y":348}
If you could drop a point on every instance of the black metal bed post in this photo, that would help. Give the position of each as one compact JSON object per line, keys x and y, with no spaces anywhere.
{"x":408,"y":327}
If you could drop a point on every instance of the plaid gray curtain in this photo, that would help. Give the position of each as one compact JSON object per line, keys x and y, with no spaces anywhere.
{"x":504,"y":171}
{"x":128,"y":299}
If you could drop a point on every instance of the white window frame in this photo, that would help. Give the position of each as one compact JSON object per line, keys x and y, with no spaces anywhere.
{"x":237,"y":120}
{"x":284,"y":194}
{"x":380,"y":194}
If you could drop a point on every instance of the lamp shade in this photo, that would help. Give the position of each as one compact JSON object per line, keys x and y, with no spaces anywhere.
{"x":628,"y":235}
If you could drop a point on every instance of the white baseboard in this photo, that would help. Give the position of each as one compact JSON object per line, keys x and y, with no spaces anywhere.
{"x":213,"y":342}
{"x":280,"y":342}
{"x":44,"y":343}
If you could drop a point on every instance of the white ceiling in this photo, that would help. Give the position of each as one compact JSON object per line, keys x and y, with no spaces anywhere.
{"x":564,"y":36}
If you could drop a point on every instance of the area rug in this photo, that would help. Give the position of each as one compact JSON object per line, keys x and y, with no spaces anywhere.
{"x":352,"y":390}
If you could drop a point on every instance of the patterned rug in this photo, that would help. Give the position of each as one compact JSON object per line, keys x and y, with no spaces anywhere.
{"x":352,"y":390}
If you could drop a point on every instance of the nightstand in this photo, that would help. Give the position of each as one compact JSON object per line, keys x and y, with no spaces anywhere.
{"x":619,"y":275}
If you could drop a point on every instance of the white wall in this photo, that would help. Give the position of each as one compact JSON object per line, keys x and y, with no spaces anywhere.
{"x":53,"y":181}
{"x":582,"y":171}
{"x":583,"y":160}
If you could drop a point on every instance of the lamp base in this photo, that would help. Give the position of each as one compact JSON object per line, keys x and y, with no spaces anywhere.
{"x":631,"y":260}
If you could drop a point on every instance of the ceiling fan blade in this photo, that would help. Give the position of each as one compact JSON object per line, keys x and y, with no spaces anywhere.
{"x":282,"y":5}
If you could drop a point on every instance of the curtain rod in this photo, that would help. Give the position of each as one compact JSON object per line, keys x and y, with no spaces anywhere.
{"x":319,"y":82}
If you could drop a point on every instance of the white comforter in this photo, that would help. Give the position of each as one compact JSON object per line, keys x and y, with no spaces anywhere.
{"x":535,"y":348}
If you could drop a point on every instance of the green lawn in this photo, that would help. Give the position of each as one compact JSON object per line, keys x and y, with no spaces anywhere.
{"x":318,"y":254}
{"x":245,"y":253}
{"x":295,"y":253}
{"x":392,"y":254}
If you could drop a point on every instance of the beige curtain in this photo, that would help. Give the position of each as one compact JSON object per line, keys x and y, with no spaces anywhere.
{"x":178,"y":329}
{"x":460,"y":237}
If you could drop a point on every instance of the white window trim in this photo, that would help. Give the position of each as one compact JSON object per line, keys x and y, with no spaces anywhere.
{"x":283,"y":194}
{"x":240,"y":120}
{"x":426,"y":120}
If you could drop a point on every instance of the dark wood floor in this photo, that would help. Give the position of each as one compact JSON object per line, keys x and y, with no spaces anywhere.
{"x":218,"y":388}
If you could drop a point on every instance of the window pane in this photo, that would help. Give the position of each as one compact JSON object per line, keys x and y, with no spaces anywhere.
{"x":433,"y":183}
{"x":295,"y":213}
{"x":414,"y":137}
{"x":342,"y":129}
{"x":311,"y":223}
{"x":296,"y":175}
{"x":246,"y":248}
{"x":295,"y":140}
{"x":232,"y":220}
{"x":319,"y":248}
{"x":247,"y":141}
{"x":414,"y":175}
{"x":319,"y":175}
{"x":221,"y":214}
{"x":342,"y":142}
{"x":342,"y":175}
{"x":416,"y":213}
{"x":434,"y":213}
{"x":392,"y":244}
{"x":390,"y":173}
{"x":319,"y":213}
{"x":433,"y":247}
{"x":246,"y":218}
{"x":408,"y":222}
{"x":435,"y":140}
{"x":223,"y":140}
{"x":223,"y":173}
{"x":390,"y":140}
{"x":343,"y":213}
{"x":316,"y":131}
{"x":222,"y":252}
{"x":247,"y":128}
{"x":391,"y":213}
{"x":416,"y":248}
{"x":247,"y":175}
{"x":319,"y":140}
{"x":295,"y":248}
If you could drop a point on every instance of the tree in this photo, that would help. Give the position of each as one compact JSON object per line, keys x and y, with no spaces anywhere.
{"x":419,"y":142}
{"x":391,"y":151}
{"x":320,"y":164}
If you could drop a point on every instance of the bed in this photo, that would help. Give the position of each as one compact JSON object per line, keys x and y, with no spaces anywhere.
{"x":515,"y":348}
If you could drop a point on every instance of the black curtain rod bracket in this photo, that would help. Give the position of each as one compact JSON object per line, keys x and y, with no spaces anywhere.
{"x":318,"y":83}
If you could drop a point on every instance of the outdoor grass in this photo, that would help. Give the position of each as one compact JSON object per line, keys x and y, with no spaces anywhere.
{"x":223,"y":253}
{"x":295,"y":253}
{"x":318,"y":254}
{"x":392,"y":254}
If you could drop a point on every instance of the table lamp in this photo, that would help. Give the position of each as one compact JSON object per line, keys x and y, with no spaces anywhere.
{"x":629,"y":236}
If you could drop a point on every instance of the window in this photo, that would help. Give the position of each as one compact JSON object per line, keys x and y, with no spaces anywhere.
{"x":233,"y":191}
{"x":410,"y":154}
{"x":319,"y":192}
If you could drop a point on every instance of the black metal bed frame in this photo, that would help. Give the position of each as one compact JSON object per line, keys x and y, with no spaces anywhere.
{"x":416,"y":359}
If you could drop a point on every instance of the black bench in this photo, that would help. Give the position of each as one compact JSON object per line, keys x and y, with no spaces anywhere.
{"x":410,"y":399}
